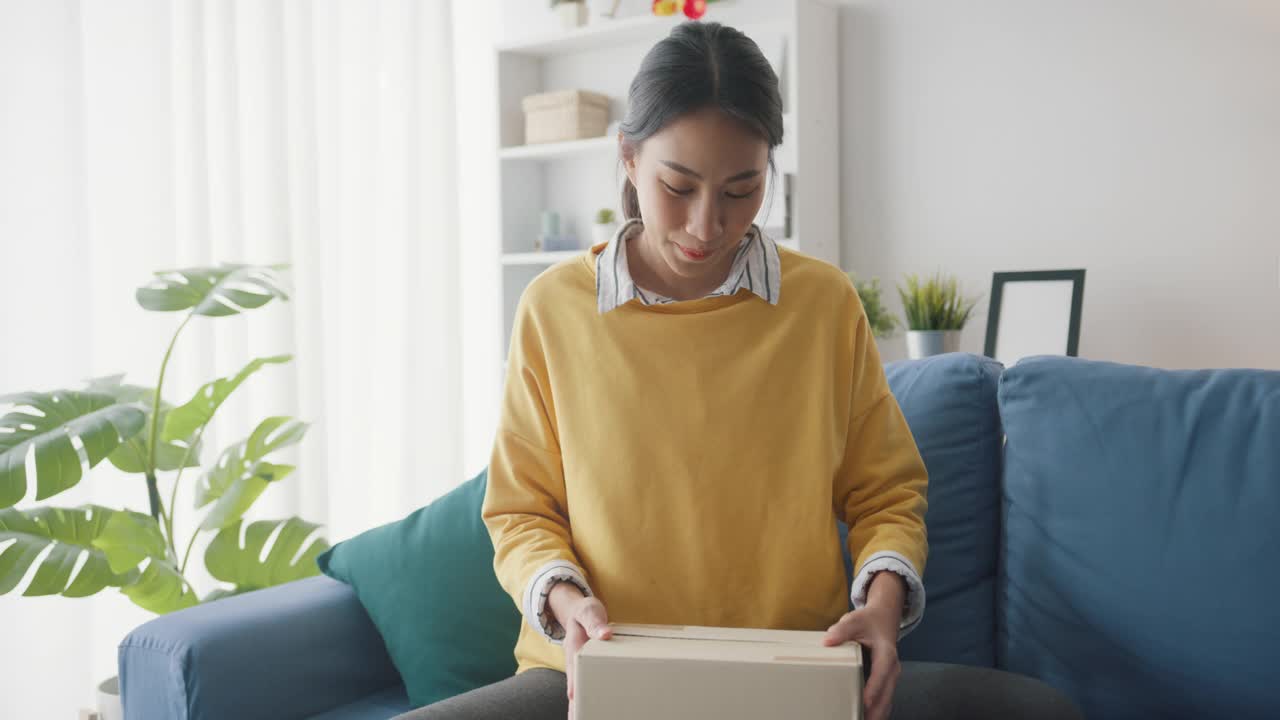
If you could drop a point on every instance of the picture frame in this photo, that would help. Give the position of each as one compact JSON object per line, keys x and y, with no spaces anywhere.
{"x":1034,"y":313}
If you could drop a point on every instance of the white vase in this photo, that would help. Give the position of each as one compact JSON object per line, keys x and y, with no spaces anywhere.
{"x":603,"y":233}
{"x":926,"y":343}
{"x":109,"y":707}
{"x":572,"y":14}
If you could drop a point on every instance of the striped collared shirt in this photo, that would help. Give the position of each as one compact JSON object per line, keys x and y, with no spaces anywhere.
{"x":756,"y":267}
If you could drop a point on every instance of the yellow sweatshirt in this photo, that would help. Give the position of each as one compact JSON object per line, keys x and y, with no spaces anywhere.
{"x":691,"y":459}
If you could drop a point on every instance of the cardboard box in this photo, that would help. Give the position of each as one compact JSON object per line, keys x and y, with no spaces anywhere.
{"x":673,"y":672}
{"x":564,"y":115}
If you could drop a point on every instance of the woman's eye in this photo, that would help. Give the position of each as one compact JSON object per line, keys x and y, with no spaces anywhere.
{"x":675,"y":191}
{"x":744,"y":195}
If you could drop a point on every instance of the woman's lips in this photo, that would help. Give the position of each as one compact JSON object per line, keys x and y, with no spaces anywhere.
{"x":693,"y":254}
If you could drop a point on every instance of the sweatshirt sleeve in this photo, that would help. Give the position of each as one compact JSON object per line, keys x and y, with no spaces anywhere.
{"x":880,"y":490}
{"x":525,"y":507}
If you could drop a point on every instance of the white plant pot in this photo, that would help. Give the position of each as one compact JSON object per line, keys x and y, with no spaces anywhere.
{"x":109,"y":707}
{"x":603,"y":233}
{"x":572,"y":14}
{"x":926,"y":343}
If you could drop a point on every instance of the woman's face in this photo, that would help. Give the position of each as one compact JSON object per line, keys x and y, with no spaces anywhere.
{"x":700,"y":183}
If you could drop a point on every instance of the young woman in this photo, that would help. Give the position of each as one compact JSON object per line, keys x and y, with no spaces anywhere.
{"x":688,"y":409}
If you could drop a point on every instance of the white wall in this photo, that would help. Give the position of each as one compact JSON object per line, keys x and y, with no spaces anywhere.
{"x":1139,"y":140}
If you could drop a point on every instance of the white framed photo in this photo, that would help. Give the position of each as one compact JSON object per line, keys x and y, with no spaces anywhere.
{"x":1034,"y":313}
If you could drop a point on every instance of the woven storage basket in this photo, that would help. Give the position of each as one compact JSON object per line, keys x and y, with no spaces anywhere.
{"x":565,"y":115}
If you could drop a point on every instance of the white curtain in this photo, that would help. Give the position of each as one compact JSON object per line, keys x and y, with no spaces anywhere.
{"x":142,"y":135}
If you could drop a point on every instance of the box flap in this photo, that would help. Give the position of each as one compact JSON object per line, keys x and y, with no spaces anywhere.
{"x":700,"y":632}
{"x":688,"y":642}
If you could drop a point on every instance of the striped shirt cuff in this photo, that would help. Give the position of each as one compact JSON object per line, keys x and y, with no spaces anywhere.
{"x":536,"y":611}
{"x":895,"y":563}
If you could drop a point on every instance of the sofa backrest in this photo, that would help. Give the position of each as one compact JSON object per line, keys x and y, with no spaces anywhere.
{"x":1141,"y":550}
{"x":950,"y":403}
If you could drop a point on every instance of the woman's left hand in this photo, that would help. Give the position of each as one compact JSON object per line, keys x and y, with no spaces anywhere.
{"x":875,"y":626}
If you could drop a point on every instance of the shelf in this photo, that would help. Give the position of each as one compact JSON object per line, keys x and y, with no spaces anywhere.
{"x":598,"y":35}
{"x":601,"y":34}
{"x":539,"y":258}
{"x":551,"y":151}
{"x":548,"y":151}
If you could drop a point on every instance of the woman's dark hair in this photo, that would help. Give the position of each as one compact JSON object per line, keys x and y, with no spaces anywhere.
{"x":700,"y":65}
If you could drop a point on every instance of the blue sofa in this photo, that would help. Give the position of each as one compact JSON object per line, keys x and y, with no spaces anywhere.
{"x":1108,"y":529}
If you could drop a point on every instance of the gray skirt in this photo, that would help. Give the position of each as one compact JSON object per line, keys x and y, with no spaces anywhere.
{"x":925,"y":691}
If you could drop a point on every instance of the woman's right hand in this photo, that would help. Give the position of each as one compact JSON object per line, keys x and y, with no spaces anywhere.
{"x":583,"y":618}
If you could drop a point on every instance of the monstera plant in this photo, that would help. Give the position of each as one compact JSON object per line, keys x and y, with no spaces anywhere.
{"x":59,"y":433}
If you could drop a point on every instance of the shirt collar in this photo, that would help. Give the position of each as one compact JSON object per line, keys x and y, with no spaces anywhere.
{"x":756,"y":267}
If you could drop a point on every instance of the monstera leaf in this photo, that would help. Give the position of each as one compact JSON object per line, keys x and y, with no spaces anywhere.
{"x":241,"y":474}
{"x":131,"y":538}
{"x":49,"y":422}
{"x":186,"y":420}
{"x":229,"y":562}
{"x":160,"y":589}
{"x":131,"y":456}
{"x":114,"y":542}
{"x":70,"y":533}
{"x":212,"y":292}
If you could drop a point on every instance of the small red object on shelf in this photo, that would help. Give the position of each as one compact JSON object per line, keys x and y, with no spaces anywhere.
{"x":694,"y":9}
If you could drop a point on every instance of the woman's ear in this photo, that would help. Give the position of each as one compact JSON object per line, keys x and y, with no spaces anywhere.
{"x":628,"y":153}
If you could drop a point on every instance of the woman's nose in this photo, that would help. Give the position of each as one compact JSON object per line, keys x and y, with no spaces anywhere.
{"x":705,"y":222}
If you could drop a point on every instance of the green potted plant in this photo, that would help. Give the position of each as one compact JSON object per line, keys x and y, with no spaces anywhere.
{"x":605,"y":226}
{"x":137,"y":431}
{"x":573,"y":13}
{"x":883,"y":323}
{"x":936,"y":313}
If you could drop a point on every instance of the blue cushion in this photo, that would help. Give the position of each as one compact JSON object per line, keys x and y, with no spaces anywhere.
{"x":1141,"y":558}
{"x":950,"y":403}
{"x":290,"y":650}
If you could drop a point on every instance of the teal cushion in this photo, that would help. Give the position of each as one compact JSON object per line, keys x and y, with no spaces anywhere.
{"x":427,"y":583}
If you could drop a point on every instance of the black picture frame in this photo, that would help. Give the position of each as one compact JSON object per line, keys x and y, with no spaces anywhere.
{"x":1000,"y":279}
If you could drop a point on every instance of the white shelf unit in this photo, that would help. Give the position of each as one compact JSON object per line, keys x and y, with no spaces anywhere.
{"x":578,"y":178}
{"x":549,"y":151}
{"x":538,"y":258}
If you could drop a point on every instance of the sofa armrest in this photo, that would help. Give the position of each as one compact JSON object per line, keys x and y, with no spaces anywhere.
{"x":292,"y":650}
